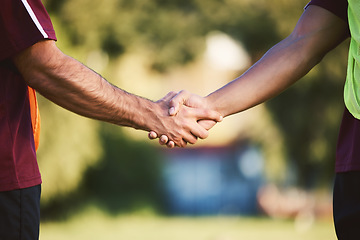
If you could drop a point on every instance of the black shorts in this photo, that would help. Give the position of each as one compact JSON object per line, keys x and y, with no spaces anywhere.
{"x":20,"y":214}
{"x":347,"y":205}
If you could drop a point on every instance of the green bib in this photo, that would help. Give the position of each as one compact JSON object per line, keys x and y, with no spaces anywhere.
{"x":352,"y":84}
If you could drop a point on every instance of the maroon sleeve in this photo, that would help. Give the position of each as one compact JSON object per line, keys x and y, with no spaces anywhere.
{"x":22,"y":24}
{"x":337,"y":7}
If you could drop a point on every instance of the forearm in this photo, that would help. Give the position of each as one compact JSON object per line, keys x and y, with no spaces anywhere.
{"x":75,"y":87}
{"x":279,"y":68}
{"x":317,"y":32}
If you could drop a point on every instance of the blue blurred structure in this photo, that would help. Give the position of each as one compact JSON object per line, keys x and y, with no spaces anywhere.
{"x":213,"y":181}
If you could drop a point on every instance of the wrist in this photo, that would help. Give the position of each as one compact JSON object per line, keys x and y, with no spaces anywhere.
{"x":132,"y":111}
{"x":212,"y":102}
{"x":145,"y":115}
{"x":150,"y":115}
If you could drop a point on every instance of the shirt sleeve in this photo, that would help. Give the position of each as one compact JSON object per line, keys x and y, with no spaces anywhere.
{"x":22,"y":24}
{"x":337,"y":7}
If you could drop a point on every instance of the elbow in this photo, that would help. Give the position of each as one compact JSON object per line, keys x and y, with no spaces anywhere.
{"x":315,"y":59}
{"x":35,"y":77}
{"x":310,"y":51}
{"x":39,"y":63}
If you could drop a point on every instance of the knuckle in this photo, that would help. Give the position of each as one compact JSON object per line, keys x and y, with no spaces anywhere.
{"x":170,"y":144}
{"x":211,"y":114}
{"x":184,"y":92}
{"x":172,"y":102}
{"x":182,"y":144}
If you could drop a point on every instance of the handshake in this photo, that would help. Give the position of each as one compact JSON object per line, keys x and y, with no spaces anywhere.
{"x":188,"y":118}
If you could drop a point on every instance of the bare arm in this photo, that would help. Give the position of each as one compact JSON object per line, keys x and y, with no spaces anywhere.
{"x":317,"y":32}
{"x":75,"y":87}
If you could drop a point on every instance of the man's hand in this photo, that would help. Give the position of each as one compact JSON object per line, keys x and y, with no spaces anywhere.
{"x":77,"y":88}
{"x":185,"y":99}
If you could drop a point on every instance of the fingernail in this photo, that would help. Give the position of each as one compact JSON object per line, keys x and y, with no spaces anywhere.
{"x":171,"y":111}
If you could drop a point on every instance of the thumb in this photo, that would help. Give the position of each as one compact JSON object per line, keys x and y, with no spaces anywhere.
{"x":176,"y":102}
{"x":169,"y":96}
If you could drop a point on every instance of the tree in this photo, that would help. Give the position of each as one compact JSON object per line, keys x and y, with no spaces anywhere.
{"x":172,"y":33}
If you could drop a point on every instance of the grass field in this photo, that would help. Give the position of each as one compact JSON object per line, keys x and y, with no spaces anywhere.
{"x":95,"y":225}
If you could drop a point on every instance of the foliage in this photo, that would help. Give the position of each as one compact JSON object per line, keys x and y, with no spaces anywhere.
{"x":128,"y":176}
{"x":68,"y":146}
{"x":172,"y":34}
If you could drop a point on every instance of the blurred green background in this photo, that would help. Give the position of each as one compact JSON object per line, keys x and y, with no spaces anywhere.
{"x":111,"y":180}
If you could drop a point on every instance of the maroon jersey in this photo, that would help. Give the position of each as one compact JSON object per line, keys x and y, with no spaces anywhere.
{"x":337,"y":7}
{"x":22,"y":24}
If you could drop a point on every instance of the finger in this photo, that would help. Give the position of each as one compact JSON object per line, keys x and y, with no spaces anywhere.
{"x":196,"y":129}
{"x":207,"y":124}
{"x":152,"y":135}
{"x":160,"y":142}
{"x":183,"y":144}
{"x":207,"y":114}
{"x":170,"y":144}
{"x":192,"y":138}
{"x":169,"y":96}
{"x":164,"y":139}
{"x":180,"y":142}
{"x":199,"y":132}
{"x":177,"y":101}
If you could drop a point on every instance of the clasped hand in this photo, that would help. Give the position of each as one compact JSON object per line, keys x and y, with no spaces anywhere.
{"x":202,"y":116}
